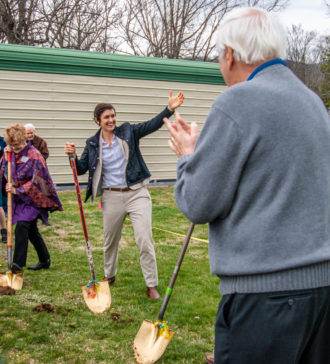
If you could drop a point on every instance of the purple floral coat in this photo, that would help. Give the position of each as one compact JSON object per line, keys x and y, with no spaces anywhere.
{"x":36,"y":193}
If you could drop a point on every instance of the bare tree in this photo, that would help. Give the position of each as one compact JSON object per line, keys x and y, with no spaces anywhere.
{"x":178,"y":28}
{"x":19,"y":22}
{"x":299,"y":50}
{"x":77,"y":24}
{"x":325,"y":68}
{"x":300,"y":44}
{"x":275,"y":5}
{"x":306,"y":56}
{"x":83,"y":24}
{"x":327,"y":4}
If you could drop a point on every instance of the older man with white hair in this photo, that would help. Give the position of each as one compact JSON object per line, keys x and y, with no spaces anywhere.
{"x":36,"y":141}
{"x":259,"y":175}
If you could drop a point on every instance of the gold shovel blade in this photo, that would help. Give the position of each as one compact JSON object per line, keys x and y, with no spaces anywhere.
{"x":150,"y":343}
{"x":4,"y":282}
{"x":14,"y":281}
{"x":98,"y":300}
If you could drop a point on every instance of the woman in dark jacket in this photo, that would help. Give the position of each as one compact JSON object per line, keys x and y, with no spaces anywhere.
{"x":118,"y":172}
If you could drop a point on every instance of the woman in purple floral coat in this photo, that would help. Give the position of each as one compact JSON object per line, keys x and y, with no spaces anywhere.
{"x":33,"y":193}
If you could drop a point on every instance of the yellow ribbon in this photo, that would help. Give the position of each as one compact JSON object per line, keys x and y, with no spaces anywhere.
{"x":162,"y":329}
{"x":171,"y":232}
{"x":93,"y":287}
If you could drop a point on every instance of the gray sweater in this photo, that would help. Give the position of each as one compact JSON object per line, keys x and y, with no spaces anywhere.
{"x":260,"y":176}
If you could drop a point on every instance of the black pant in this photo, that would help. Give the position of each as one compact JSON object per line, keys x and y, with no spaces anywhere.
{"x":25,"y":231}
{"x":274,"y":328}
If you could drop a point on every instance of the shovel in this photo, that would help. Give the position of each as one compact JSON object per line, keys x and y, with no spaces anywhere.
{"x":96,"y":294}
{"x":9,"y":279}
{"x":152,"y":339}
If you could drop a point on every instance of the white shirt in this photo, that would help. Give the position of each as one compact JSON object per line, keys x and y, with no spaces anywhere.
{"x":113,"y":164}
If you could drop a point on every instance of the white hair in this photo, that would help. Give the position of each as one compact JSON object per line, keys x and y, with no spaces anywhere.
{"x":30,"y":126}
{"x":254,"y":35}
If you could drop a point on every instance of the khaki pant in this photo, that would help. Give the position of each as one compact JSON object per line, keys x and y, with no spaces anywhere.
{"x":137,"y":205}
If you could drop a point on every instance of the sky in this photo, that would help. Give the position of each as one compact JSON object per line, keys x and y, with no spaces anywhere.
{"x":311,"y":14}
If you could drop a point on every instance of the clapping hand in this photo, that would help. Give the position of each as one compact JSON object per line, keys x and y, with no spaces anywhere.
{"x":183,"y":136}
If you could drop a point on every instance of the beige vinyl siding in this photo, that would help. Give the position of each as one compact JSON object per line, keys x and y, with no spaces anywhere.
{"x":61,"y":108}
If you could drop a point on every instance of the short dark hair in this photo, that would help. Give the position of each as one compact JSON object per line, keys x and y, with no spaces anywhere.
{"x":100,"y":108}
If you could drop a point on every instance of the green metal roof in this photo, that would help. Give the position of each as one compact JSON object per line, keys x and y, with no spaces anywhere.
{"x":67,"y":61}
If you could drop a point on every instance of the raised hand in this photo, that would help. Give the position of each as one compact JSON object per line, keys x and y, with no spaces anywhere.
{"x":176,"y":101}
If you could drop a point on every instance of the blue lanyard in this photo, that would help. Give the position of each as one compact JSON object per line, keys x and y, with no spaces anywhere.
{"x":265,"y":65}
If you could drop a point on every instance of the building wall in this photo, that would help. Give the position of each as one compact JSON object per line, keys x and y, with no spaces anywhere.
{"x":61,"y":107}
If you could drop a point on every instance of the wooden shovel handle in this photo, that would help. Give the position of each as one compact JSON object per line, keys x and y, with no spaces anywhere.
{"x":9,"y":212}
{"x":82,"y":215}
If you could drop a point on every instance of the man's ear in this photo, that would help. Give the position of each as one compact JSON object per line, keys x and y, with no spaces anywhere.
{"x":97,"y":122}
{"x":229,"y":57}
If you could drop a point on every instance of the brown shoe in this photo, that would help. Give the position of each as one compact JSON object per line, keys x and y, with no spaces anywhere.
{"x":209,"y":359}
{"x":110,"y":280}
{"x":152,"y":293}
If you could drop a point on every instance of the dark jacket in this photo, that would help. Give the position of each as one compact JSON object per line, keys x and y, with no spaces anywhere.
{"x":41,"y":145}
{"x":136,"y":170}
{"x":2,"y":145}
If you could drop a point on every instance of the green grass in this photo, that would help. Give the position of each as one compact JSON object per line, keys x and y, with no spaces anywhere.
{"x":73,"y":334}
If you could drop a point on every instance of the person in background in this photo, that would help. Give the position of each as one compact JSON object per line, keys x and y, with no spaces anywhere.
{"x":34,"y":195}
{"x":36,"y":140}
{"x":3,"y":200}
{"x":259,"y":174}
{"x":118,"y":172}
